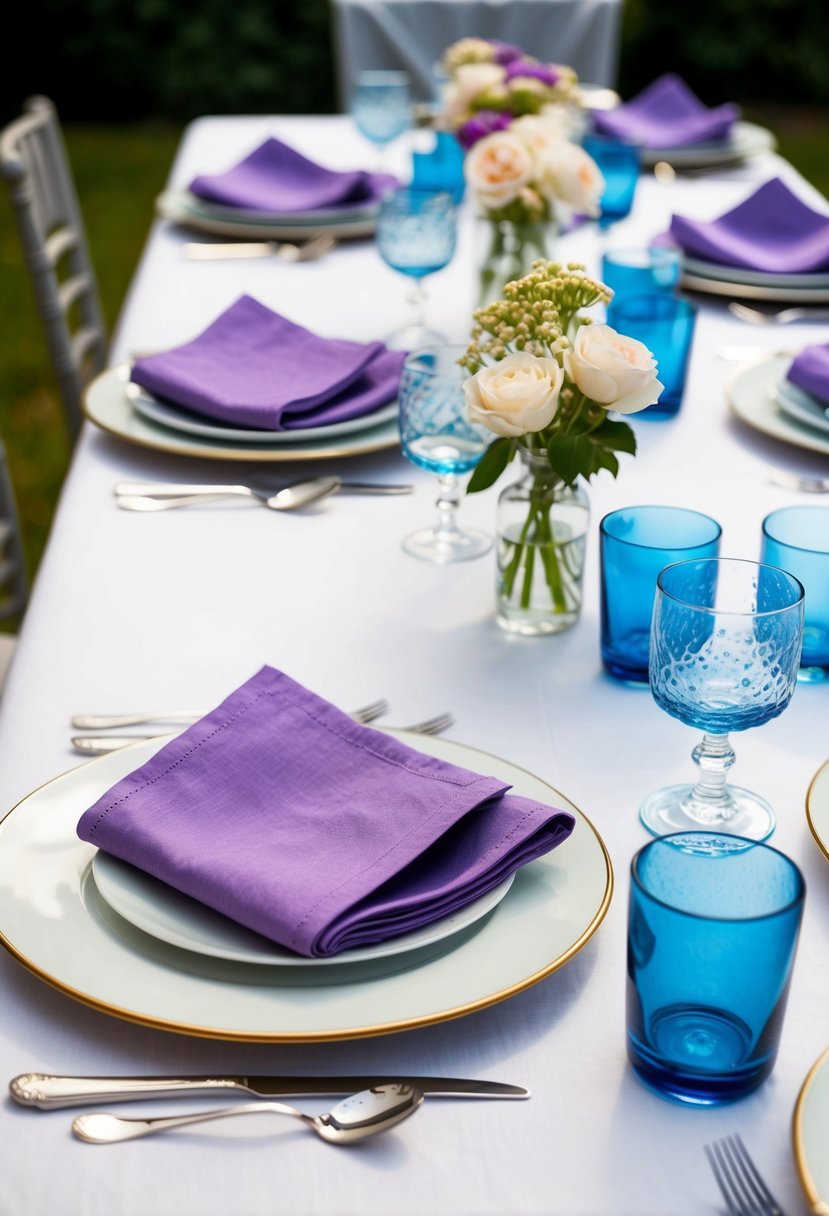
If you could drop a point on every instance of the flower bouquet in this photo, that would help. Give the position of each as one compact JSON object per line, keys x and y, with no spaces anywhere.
{"x":516,"y":119}
{"x":545,"y":380}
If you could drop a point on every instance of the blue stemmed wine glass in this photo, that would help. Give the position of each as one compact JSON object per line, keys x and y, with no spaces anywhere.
{"x":381,"y":106}
{"x":724,"y":653}
{"x":437,"y":436}
{"x":416,"y":235}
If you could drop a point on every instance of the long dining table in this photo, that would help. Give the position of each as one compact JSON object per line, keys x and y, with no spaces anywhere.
{"x":147,"y":611}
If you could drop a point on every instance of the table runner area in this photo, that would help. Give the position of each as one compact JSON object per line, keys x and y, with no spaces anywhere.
{"x":138,"y":611}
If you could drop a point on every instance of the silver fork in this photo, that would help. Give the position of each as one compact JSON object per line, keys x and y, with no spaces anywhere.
{"x":795,"y":481}
{"x":101,"y":745}
{"x":740,"y":1182}
{"x":177,"y":717}
{"x":755,"y":317}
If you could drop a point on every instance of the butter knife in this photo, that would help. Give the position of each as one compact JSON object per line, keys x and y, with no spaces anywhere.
{"x":49,"y":1092}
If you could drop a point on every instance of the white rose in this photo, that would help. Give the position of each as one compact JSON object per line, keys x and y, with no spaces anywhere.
{"x":569,"y":174}
{"x":468,"y":81}
{"x":515,"y":396}
{"x":541,"y":133}
{"x":497,"y":169}
{"x":616,"y":371}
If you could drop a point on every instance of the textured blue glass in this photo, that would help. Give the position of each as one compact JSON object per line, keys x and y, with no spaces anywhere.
{"x":797,"y":540}
{"x":434,"y":430}
{"x":619,"y":166}
{"x":636,"y":543}
{"x":725,"y":643}
{"x":416,"y":231}
{"x":440,"y":169}
{"x":666,"y":326}
{"x":713,"y":924}
{"x":636,"y":272}
{"x":381,"y":105}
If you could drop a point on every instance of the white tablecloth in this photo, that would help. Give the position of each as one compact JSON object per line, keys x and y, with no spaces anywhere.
{"x":134,"y":611}
{"x":413,"y":34}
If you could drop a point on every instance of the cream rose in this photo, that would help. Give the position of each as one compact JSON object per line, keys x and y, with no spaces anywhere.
{"x":616,"y":371}
{"x":515,"y":396}
{"x":468,"y":81}
{"x":497,"y":169}
{"x":569,"y":174}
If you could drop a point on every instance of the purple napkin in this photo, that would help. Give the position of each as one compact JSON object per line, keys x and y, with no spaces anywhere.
{"x":666,"y":115}
{"x":279,"y":811}
{"x":254,"y":367}
{"x":772,"y":231}
{"x":275,"y":178}
{"x":810,"y":371}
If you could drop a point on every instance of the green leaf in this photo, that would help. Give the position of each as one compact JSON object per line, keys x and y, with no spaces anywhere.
{"x":617,"y":436}
{"x":491,"y":465}
{"x":604,"y":459}
{"x":571,"y":456}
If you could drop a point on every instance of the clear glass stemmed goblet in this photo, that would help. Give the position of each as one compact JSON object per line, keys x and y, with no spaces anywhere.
{"x":381,"y":106}
{"x":416,"y":235}
{"x":724,"y":653}
{"x":436,"y":435}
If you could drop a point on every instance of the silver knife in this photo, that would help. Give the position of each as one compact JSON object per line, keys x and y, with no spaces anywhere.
{"x":49,"y":1092}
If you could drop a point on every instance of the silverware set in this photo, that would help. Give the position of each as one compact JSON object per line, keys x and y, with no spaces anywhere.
{"x":374,"y":1104}
{"x":307,"y":251}
{"x":164,"y":496}
{"x":100,"y":744}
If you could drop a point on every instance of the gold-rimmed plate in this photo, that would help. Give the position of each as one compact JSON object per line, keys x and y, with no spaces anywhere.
{"x":54,"y":923}
{"x":817,"y":809}
{"x":107,"y":404}
{"x":810,"y":1135}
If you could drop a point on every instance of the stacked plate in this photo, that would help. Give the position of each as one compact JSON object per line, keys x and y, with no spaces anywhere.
{"x":129,"y":946}
{"x":348,"y":220}
{"x":762,"y":397}
{"x":121,"y":408}
{"x":746,"y":140}
{"x":715,"y":279}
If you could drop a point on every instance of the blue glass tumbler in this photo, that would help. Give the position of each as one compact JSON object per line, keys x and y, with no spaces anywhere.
{"x":441,"y":167}
{"x":619,"y":163}
{"x":635,"y":544}
{"x":666,"y":326}
{"x":797,"y":540}
{"x":713,"y":924}
{"x":640,"y":271}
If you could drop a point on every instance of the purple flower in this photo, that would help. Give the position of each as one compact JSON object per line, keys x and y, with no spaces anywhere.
{"x":481,"y":124}
{"x":544,"y":72}
{"x":505,"y":52}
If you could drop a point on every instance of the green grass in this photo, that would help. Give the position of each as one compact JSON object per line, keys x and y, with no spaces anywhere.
{"x":118,"y":172}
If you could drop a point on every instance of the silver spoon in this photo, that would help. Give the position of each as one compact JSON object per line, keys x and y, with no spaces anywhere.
{"x":364,"y":1114}
{"x":755,"y":317}
{"x":288,"y":499}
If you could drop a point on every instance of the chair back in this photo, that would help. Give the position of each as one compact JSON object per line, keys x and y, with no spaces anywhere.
{"x":36,"y":170}
{"x":14,"y":583}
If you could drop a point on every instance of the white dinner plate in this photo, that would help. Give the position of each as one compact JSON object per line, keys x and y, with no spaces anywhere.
{"x":179,"y":419}
{"x":165,"y":913}
{"x":810,"y":1135}
{"x":747,"y":140}
{"x":107,"y":405}
{"x":54,"y":922}
{"x":752,"y":397}
{"x":179,"y":207}
{"x":817,"y":809}
{"x":801,"y":406}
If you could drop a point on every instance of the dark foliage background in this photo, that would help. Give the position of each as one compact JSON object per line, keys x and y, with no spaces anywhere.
{"x":115,"y":60}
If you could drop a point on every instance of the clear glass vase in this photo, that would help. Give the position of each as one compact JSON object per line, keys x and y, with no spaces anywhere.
{"x":508,"y":250}
{"x":542,"y":537}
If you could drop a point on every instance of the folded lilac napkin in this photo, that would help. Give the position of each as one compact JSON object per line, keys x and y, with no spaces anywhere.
{"x":810,"y":371}
{"x":254,"y":367}
{"x":772,"y":231}
{"x":666,"y":115}
{"x":275,"y":178}
{"x":279,"y":811}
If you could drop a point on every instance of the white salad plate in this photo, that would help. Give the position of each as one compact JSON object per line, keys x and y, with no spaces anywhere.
{"x":172,"y":917}
{"x":752,"y":395}
{"x":800,"y":405}
{"x":54,"y":922}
